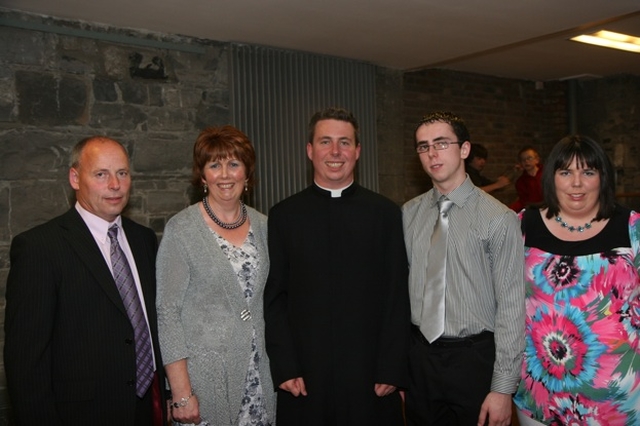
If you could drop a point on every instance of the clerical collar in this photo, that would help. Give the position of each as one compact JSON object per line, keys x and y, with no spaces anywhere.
{"x":335,"y":193}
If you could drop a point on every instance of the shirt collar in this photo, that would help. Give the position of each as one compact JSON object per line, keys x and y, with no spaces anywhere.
{"x":459,"y":195}
{"x":99,"y":227}
{"x":335,"y":193}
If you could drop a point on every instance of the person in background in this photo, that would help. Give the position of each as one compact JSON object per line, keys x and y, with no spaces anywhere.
{"x":336,"y":302}
{"x":80,"y":322}
{"x":475,"y":163}
{"x":466,"y":289}
{"x":582,"y":253}
{"x":212,"y":266}
{"x":529,"y":184}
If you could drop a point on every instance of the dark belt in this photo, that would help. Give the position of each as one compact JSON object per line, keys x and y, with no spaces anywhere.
{"x":452,"y":342}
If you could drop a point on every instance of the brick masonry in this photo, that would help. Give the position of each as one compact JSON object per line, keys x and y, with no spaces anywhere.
{"x":502,"y":114}
{"x":56,"y":89}
{"x":609,"y":111}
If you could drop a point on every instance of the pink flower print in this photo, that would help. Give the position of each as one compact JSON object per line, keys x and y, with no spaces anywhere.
{"x":634,"y":311}
{"x":562,"y":352}
{"x":567,"y":409}
{"x":564,"y":271}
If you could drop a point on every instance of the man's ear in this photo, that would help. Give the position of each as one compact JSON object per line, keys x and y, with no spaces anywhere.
{"x":465,"y":149}
{"x":74,"y":178}
{"x":309,"y":150}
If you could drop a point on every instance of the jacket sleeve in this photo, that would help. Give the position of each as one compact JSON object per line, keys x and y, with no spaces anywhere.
{"x":507,"y":254}
{"x":173,"y":278}
{"x":393,"y":355}
{"x":279,"y":341}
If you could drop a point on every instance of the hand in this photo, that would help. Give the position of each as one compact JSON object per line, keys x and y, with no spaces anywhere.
{"x":495,"y":410}
{"x":384,"y":390}
{"x":295,"y":386}
{"x":502,"y":182}
{"x":190,"y":413}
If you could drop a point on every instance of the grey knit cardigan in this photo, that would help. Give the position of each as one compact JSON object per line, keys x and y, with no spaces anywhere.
{"x":199,"y":305}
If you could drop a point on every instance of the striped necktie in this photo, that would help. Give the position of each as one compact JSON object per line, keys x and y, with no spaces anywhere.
{"x":129,"y":294}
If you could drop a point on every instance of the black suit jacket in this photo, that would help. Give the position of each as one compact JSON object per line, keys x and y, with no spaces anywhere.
{"x":69,"y":354}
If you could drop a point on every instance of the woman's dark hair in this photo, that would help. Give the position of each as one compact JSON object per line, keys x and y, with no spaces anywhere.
{"x":589,"y":154}
{"x":217,"y":143}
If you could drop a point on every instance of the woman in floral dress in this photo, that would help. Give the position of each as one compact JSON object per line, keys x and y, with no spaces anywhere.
{"x":212,"y":266}
{"x":582,"y":252}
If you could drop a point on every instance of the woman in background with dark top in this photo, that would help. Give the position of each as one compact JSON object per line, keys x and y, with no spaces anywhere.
{"x":581,"y":360}
{"x":212,"y":267}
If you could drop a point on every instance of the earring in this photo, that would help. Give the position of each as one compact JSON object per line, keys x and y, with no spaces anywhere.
{"x":246,"y":186}
{"x":204,"y":188}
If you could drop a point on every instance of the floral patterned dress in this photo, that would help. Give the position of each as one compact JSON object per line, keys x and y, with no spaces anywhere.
{"x":245,"y":263}
{"x":582,"y":356}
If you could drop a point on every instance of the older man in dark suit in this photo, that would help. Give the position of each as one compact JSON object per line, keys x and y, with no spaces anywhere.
{"x":80,"y":326}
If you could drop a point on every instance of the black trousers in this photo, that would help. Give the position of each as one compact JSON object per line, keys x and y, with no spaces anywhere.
{"x":144,"y":410}
{"x":449,"y":379}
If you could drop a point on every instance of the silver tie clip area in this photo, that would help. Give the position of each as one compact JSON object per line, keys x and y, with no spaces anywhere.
{"x":245,"y":315}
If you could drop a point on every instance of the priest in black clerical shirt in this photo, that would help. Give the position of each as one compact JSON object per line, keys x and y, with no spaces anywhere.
{"x":336,"y":301}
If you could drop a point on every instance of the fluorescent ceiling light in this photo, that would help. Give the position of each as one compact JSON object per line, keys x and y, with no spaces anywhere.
{"x":610,"y":39}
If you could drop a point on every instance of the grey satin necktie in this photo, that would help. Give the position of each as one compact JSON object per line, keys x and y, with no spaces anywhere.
{"x":129,"y":294}
{"x":432,"y":319}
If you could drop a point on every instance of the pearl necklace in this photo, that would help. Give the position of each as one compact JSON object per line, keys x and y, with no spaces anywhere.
{"x":233,"y":225}
{"x":573,"y":228}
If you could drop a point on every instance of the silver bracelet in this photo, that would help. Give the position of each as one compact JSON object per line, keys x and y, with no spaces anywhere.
{"x":183,"y":401}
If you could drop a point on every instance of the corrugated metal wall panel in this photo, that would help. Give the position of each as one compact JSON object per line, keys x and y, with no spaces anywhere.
{"x":275,"y":93}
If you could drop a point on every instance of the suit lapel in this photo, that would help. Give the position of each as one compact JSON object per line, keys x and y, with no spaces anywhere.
{"x":80,"y":239}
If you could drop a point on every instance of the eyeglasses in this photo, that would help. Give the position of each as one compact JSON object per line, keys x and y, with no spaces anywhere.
{"x":438,"y":146}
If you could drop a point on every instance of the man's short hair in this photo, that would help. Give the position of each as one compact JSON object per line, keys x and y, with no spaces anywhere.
{"x":527,"y":148}
{"x":479,"y":151}
{"x":456,"y":123}
{"x":333,"y":113}
{"x":76,"y":152}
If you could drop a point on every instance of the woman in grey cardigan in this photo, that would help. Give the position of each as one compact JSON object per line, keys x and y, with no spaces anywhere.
{"x":212,"y":266}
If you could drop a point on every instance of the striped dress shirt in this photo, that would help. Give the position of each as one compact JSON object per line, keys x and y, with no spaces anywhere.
{"x":485,"y":263}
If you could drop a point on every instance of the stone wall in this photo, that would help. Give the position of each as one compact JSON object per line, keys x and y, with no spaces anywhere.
{"x":57,"y":89}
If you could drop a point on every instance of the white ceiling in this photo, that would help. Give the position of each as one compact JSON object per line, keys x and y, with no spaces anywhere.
{"x":524,"y":39}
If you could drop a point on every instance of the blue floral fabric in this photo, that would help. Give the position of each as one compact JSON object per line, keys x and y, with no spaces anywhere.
{"x":245,"y":263}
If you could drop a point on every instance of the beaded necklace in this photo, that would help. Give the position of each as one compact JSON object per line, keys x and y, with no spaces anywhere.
{"x":571,"y":228}
{"x":233,"y":225}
